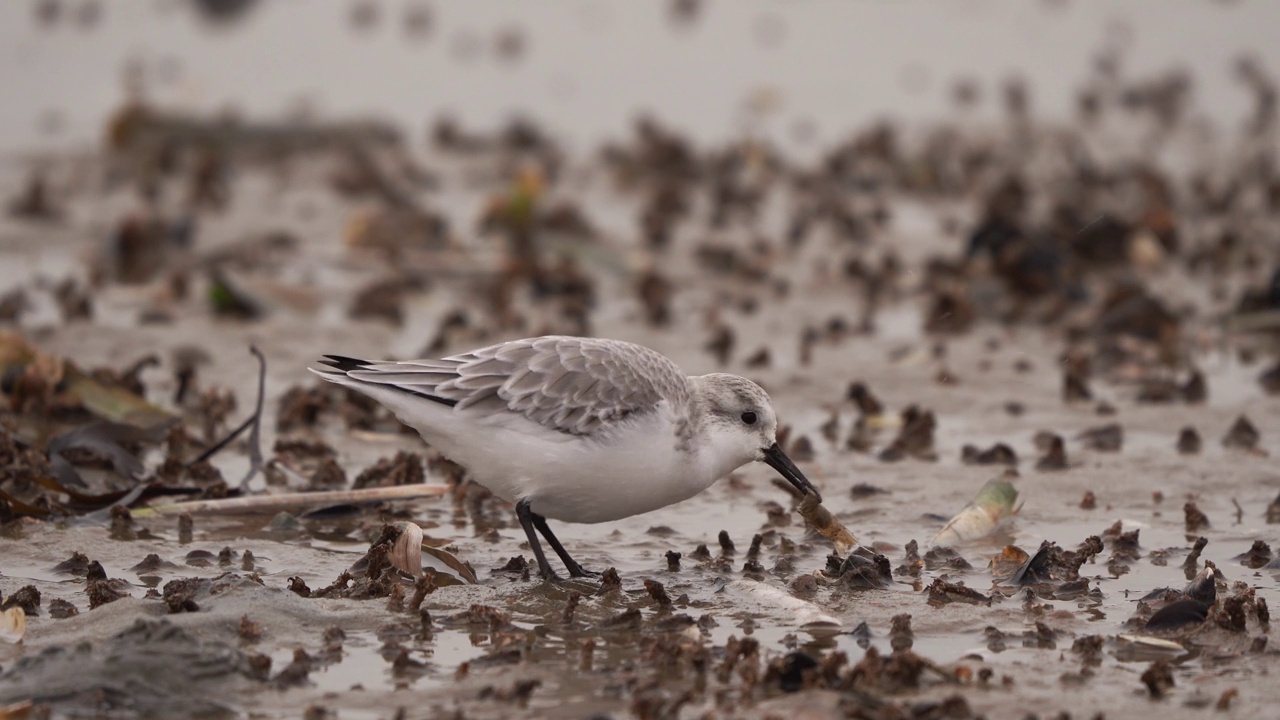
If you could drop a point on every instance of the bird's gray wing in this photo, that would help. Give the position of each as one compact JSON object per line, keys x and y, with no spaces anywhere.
{"x":568,"y":384}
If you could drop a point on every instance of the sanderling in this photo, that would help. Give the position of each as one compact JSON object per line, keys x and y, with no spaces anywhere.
{"x":577,"y":429}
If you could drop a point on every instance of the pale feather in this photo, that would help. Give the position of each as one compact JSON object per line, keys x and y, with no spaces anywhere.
{"x":571,"y":385}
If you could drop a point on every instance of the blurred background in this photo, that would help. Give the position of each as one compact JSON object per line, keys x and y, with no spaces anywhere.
{"x":801,"y":73}
{"x":1016,"y":264}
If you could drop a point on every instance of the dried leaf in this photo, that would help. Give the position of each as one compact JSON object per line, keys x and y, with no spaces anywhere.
{"x":106,"y":402}
{"x":102,"y":438}
{"x":113,"y":403}
{"x":21,"y":508}
{"x":84,"y":502}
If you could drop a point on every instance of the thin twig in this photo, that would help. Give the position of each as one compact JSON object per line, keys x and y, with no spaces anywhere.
{"x":104,"y":514}
{"x":255,"y":435}
{"x":213,"y":449}
{"x":260,"y":503}
{"x":1239,"y":511}
{"x":253,"y":422}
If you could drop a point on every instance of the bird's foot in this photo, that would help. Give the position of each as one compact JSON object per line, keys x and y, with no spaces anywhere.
{"x":577,"y":571}
{"x":548,"y":575}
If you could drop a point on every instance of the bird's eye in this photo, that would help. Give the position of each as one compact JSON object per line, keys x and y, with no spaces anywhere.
{"x":749,"y":417}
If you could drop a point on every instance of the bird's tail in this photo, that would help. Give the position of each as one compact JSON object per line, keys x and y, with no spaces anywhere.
{"x":336,"y":368}
{"x":343,"y":364}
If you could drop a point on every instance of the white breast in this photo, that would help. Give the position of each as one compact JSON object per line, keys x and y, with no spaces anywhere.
{"x":633,"y":469}
{"x":630,"y":469}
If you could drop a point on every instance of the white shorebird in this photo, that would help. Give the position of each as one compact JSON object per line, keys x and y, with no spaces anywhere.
{"x":577,"y":429}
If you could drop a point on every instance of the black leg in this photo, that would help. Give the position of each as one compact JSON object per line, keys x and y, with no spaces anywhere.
{"x":575,"y":570}
{"x":527,"y":521}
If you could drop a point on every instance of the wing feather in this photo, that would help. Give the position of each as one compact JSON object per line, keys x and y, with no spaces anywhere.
{"x":567,"y":384}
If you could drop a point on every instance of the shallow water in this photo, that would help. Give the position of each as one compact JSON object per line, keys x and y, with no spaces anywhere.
{"x":919,"y":494}
{"x":476,"y":670}
{"x":952,"y":634}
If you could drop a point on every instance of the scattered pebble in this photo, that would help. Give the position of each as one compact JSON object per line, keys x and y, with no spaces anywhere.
{"x":1104,"y":438}
{"x":1055,"y":455}
{"x":1189,"y":441}
{"x":1242,"y":435}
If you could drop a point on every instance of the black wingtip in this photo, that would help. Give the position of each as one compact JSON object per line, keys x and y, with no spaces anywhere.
{"x":345,"y":364}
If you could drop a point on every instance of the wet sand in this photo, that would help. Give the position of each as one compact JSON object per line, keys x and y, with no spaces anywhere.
{"x":624,"y":652}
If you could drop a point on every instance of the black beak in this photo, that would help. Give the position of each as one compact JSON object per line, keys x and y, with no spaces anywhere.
{"x":778,"y":460}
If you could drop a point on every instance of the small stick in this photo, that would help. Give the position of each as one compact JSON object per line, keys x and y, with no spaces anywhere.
{"x":253,"y":423}
{"x":1239,"y":511}
{"x":260,"y":503}
{"x":255,"y":434}
{"x":216,"y":447}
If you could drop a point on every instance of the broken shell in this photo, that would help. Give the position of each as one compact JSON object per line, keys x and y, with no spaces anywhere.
{"x":13,"y":625}
{"x":1148,"y":642}
{"x":991,"y":508}
{"x":406,"y":554}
